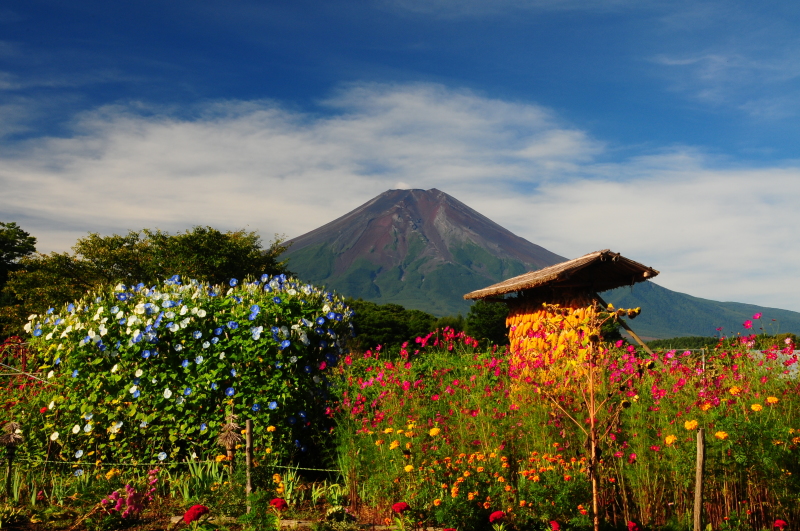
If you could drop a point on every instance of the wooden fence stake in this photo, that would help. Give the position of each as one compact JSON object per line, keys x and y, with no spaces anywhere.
{"x":698,"y":479}
{"x":248,"y":452}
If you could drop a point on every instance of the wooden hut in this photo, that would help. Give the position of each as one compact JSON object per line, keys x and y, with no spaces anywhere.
{"x":573,"y":284}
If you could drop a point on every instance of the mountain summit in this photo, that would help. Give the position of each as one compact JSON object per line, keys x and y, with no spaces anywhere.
{"x":420,"y":248}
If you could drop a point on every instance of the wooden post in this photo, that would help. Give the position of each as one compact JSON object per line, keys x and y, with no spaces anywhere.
{"x":248,"y":452}
{"x":698,"y":480}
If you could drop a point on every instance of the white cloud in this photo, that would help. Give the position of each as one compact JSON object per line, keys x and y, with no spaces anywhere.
{"x":717,"y":232}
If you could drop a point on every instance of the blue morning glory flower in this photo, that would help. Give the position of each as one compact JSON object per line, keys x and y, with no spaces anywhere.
{"x":185,"y":363}
{"x":308,"y":369}
{"x":122,"y":296}
{"x":197,"y":334}
{"x":136,"y":394}
{"x":198,"y":360}
{"x":217,"y":331}
{"x":233,"y":373}
{"x":331,"y":316}
{"x":256,"y":408}
{"x":273,"y":405}
{"x":278,"y":365}
{"x":301,"y":414}
{"x":50,"y":310}
{"x":114,"y":309}
{"x":75,"y":373}
{"x":276,"y":300}
{"x":233,"y":325}
{"x":292,"y":420}
{"x":233,"y":282}
{"x":78,"y":454}
{"x":136,"y":381}
{"x":88,"y":416}
{"x":178,"y":347}
{"x":78,"y":473}
{"x":229,"y":391}
{"x":264,"y":277}
{"x":57,"y":362}
{"x":320,"y":321}
{"x":285,"y":344}
{"x":203,"y":426}
{"x":162,"y":456}
{"x":214,"y":386}
{"x":252,"y":317}
{"x":187,"y":391}
{"x":214,"y":340}
{"x":37,"y":332}
{"x":255,"y":308}
{"x":71,"y":308}
{"x":146,"y":354}
{"x":121,"y":322}
{"x":323,"y":344}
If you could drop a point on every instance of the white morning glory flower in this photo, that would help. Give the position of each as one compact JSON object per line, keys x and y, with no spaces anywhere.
{"x":184,"y":310}
{"x":115,"y":368}
{"x":222,"y":355}
{"x":87,"y":428}
{"x":76,"y":428}
{"x":167,"y":393}
{"x":169,"y":315}
{"x":54,"y":436}
{"x":50,"y":375}
{"x":143,"y":424}
{"x":162,"y":456}
{"x":88,"y":416}
{"x":206,"y":344}
{"x":201,"y":313}
{"x":51,"y":405}
{"x":198,"y":360}
{"x":78,"y":454}
{"x":179,"y":400}
{"x":133,"y":389}
{"x":138,"y":373}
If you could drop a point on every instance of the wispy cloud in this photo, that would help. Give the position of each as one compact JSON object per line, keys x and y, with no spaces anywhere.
{"x":714,"y":231}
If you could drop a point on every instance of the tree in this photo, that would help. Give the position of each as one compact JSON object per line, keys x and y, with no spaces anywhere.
{"x":202,"y":253}
{"x":15,"y":244}
{"x":487,"y":320}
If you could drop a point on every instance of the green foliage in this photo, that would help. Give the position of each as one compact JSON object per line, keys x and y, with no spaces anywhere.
{"x":487,"y":321}
{"x":387,"y":324}
{"x":148,"y":256}
{"x":15,"y":244}
{"x":685,"y":343}
{"x":146,"y":374}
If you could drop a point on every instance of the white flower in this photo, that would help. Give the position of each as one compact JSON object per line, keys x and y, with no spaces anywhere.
{"x":186,"y":322}
{"x":169,"y":315}
{"x":292,"y":291}
{"x":174,"y":327}
{"x":51,"y":405}
{"x":87,"y":428}
{"x":91,"y":333}
{"x":167,"y":393}
{"x":194,"y":311}
{"x":50,"y":374}
{"x":32,"y":316}
{"x":120,"y":314}
{"x":222,"y":355}
{"x":184,"y":309}
{"x":179,"y":400}
{"x":139,"y":308}
{"x":115,"y":368}
{"x":102,"y":330}
{"x":49,"y":336}
{"x":54,"y":436}
{"x":133,"y":389}
{"x":326,"y":308}
{"x":76,"y":428}
{"x":201,"y":313}
{"x":138,"y":373}
{"x":206,"y":344}
{"x":132,"y":320}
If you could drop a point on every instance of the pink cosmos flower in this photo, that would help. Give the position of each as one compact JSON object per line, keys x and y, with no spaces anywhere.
{"x":748,"y":324}
{"x":757,"y":316}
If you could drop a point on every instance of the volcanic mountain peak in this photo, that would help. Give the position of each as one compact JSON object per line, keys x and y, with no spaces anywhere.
{"x":397,"y":222}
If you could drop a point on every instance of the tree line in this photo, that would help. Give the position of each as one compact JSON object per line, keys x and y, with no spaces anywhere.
{"x":31,"y":282}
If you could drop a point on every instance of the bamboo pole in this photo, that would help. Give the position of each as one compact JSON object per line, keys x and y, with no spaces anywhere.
{"x":698,"y":479}
{"x":248,"y":452}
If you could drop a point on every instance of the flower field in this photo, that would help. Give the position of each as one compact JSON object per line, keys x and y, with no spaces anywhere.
{"x":139,"y":396}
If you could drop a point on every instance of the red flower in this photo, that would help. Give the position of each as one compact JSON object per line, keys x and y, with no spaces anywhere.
{"x":632,"y":526}
{"x":780,"y":524}
{"x":43,"y":410}
{"x":400,"y":507}
{"x":496,"y":516}
{"x":279,"y":503}
{"x":194,"y":513}
{"x":555,"y":526}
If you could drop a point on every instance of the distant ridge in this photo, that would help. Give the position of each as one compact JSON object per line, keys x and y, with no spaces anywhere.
{"x":424,"y":249}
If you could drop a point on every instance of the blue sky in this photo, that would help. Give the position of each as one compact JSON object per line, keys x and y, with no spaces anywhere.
{"x":667,"y":131}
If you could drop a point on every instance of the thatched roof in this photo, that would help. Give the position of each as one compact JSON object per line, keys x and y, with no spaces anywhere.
{"x":594,"y":272}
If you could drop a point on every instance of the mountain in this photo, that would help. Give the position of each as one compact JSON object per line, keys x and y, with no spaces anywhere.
{"x":424,"y":249}
{"x":420,"y":248}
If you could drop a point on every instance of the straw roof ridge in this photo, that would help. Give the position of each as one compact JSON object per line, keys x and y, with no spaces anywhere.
{"x":597,"y":271}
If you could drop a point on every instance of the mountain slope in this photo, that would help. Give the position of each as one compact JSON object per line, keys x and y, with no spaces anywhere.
{"x":420,"y":248}
{"x":424,"y":249}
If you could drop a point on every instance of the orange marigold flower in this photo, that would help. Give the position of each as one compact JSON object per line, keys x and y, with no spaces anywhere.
{"x":379,"y":442}
{"x":522,"y":503}
{"x":756,"y":407}
{"x":434,"y":432}
{"x":772,"y":400}
{"x":437,"y":502}
{"x":735,"y":390}
{"x":690,"y":425}
{"x":480,"y":469}
{"x":670,"y":440}
{"x":706,"y":406}
{"x":721,"y":435}
{"x":486,"y":505}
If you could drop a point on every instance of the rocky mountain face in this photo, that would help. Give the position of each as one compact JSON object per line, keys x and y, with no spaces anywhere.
{"x":424,"y":249}
{"x":420,"y":248}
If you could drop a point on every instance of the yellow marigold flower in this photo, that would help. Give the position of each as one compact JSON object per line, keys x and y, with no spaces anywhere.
{"x":388,"y":430}
{"x":721,"y":435}
{"x":480,"y":469}
{"x":690,"y":425}
{"x":501,"y":479}
{"x":756,"y":407}
{"x":470,"y":496}
{"x":434,"y":432}
{"x":408,"y":446}
{"x":735,"y":390}
{"x":492,"y":454}
{"x":408,"y":468}
{"x":409,"y":434}
{"x":269,"y":450}
{"x":772,"y":400}
{"x":220,"y":458}
{"x":706,"y":406}
{"x":394,"y":445}
{"x":271,"y":428}
{"x":670,"y":440}
{"x":535,"y":479}
{"x":379,"y":442}
{"x":437,"y":502}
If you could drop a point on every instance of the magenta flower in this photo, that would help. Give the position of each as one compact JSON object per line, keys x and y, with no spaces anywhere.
{"x":748,"y":324}
{"x":757,"y":316}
